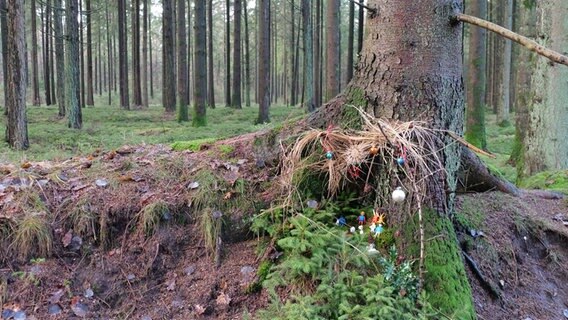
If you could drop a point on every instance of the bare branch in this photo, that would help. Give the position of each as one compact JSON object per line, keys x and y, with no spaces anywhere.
{"x":524,"y":41}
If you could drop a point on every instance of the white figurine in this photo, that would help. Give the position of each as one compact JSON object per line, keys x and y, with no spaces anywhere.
{"x":398,"y":195}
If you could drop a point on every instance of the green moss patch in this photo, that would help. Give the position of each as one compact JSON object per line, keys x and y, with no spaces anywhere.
{"x":193,"y":145}
{"x":549,"y":180}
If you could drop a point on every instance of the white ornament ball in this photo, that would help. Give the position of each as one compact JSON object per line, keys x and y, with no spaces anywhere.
{"x":352,"y":229}
{"x":398,"y":195}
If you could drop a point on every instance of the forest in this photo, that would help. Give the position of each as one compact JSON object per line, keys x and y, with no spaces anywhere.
{"x":284,"y":159}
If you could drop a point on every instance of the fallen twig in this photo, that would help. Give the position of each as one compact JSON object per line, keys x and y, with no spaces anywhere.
{"x":484,"y":282}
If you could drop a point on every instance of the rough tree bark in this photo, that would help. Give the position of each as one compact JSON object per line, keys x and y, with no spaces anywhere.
{"x":59,"y":56}
{"x":247,"y":57}
{"x":89,"y":100}
{"x":200,"y":71}
{"x":263,"y":61}
{"x":332,"y":82}
{"x":228,"y":54}
{"x":411,"y":69}
{"x":308,"y":56}
{"x":15,"y":56}
{"x":503,"y":86}
{"x":544,"y":126}
{"x":35,"y":78}
{"x":182,"y":72}
{"x":236,"y":98}
{"x":168,"y":55}
{"x":136,"y":79}
{"x":350,"y":44}
{"x":122,"y":55}
{"x":476,"y":77}
{"x":210,"y":71}
{"x":145,"y":54}
{"x":72,"y":76}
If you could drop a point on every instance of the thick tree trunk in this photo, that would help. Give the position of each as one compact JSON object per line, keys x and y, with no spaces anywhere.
{"x":210,"y":71}
{"x":332,"y":50}
{"x":168,"y":55}
{"x":122,"y":55}
{"x":200,"y":71}
{"x":15,"y":57}
{"x":317,"y":55}
{"x":293,"y":55}
{"x":35,"y":78}
{"x":247,"y":58}
{"x":46,"y":55}
{"x":136,"y":79}
{"x":59,"y":56}
{"x":263,"y":61}
{"x":475,"y":127}
{"x":182,"y":76}
{"x":544,"y":123}
{"x":411,"y":69}
{"x":236,"y":99}
{"x":350,"y":44}
{"x":72,"y":66}
{"x":228,"y":54}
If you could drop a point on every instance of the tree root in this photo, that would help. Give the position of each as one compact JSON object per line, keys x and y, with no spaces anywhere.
{"x":484,"y":282}
{"x":474,"y":176}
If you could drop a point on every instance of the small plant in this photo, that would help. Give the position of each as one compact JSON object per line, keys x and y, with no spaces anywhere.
{"x":399,"y":275}
{"x":150,"y":216}
{"x":33,"y":236}
{"x":28,"y":277}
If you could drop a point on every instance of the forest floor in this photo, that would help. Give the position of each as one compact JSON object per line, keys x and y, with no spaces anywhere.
{"x":130,"y":233}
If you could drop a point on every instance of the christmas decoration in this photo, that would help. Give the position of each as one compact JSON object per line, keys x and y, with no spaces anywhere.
{"x":398,"y":195}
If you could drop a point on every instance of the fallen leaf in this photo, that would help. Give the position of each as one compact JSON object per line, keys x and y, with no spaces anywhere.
{"x":223,"y":299}
{"x":26,"y":165}
{"x":171,"y":285}
{"x":193,"y":185}
{"x":228,"y":195}
{"x":199,"y":309}
{"x":67,"y":239}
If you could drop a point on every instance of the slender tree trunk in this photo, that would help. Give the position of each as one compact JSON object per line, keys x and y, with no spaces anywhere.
{"x":15,"y":57}
{"x":136,"y":66}
{"x":247,"y":57}
{"x":150,"y":51}
{"x":189,"y":53}
{"x":332,"y":50}
{"x":122,"y":55}
{"x":236,"y":99}
{"x":475,"y":126}
{"x":350,"y":43}
{"x":317,"y":56}
{"x":308,"y":55}
{"x":89,"y":100}
{"x":4,"y":26}
{"x":168,"y":54}
{"x":360,"y":27}
{"x":99,"y":61}
{"x":263,"y":61}
{"x":110,"y":56}
{"x":81,"y":56}
{"x":72,"y":66}
{"x":35,"y":78}
{"x":182,"y":77}
{"x":144,"y":67}
{"x":293,"y":54}
{"x":503,"y":102}
{"x":51,"y":55}
{"x":200,"y":71}
{"x":46,"y":62}
{"x":228,"y":55}
{"x":210,"y":76}
{"x":59,"y":56}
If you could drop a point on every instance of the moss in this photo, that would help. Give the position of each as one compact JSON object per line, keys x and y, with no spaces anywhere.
{"x":225,"y":149}
{"x":261,"y":274}
{"x":385,"y":240}
{"x":548,"y":180}
{"x":193,"y":145}
{"x":445,"y":279}
{"x":471,"y":215}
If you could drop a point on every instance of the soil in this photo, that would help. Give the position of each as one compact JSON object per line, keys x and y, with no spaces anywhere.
{"x":171,"y":274}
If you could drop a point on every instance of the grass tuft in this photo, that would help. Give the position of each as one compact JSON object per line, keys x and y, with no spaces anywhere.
{"x":33,"y":236}
{"x":150,"y":216}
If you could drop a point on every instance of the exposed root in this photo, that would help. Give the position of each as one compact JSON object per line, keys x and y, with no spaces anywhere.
{"x":484,"y":282}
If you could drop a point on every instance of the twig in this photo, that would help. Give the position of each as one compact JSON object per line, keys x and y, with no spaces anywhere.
{"x":469,"y":145}
{"x":421,"y":226}
{"x":524,"y":41}
{"x":373,"y":11}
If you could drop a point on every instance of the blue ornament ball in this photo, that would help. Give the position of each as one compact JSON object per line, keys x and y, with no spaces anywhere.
{"x":400,"y":161}
{"x":329,"y":155}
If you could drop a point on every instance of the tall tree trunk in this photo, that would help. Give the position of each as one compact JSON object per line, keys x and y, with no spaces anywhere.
{"x":350,"y":43}
{"x":293,"y":54}
{"x":15,"y":57}
{"x":236,"y":99}
{"x":332,"y":50}
{"x":144,"y":67}
{"x":72,"y":66}
{"x":210,"y":71}
{"x":545,"y":122}
{"x":150,"y":52}
{"x":4,"y":38}
{"x":360,"y":25}
{"x":475,"y":126}
{"x":308,"y":55}
{"x":35,"y":78}
{"x":122,"y":55}
{"x":189,"y":53}
{"x":263,"y":61}
{"x":59,"y":56}
{"x":136,"y":66}
{"x":247,"y":57}
{"x":81,"y":56}
{"x":89,"y":99}
{"x":182,"y":77}
{"x":417,"y":79}
{"x":503,"y":102}
{"x":51,"y":55}
{"x":46,"y":62}
{"x":317,"y":55}
{"x":200,"y":70}
{"x":168,"y":54}
{"x":228,"y":54}
{"x":110,"y":55}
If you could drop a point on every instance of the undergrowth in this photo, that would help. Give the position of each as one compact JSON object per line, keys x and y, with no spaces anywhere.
{"x":331,"y":274}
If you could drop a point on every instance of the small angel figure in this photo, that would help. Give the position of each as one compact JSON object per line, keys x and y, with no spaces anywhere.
{"x":361,"y":229}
